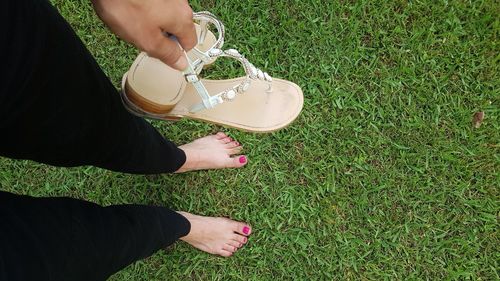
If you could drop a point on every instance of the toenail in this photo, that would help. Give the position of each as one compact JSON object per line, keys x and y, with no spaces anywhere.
{"x":243,"y":159}
{"x":236,"y":143}
{"x":246,"y":229}
{"x":244,"y":239}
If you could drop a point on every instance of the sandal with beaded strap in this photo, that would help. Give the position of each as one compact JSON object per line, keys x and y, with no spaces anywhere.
{"x":254,"y":103}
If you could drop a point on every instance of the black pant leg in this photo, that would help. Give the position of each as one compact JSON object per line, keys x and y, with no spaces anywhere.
{"x":58,"y":107}
{"x":68,"y":239}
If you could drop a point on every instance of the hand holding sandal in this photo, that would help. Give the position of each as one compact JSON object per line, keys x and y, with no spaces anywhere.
{"x":255,"y":102}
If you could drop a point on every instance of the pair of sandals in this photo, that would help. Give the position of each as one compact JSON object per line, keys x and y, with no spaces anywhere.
{"x":253,"y":103}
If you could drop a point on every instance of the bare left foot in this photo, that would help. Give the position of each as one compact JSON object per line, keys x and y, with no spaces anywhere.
{"x":219,"y":236}
{"x":212,"y":152}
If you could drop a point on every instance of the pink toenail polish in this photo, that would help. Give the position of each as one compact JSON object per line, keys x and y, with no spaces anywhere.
{"x":244,"y":239}
{"x":243,"y":159}
{"x":246,"y":229}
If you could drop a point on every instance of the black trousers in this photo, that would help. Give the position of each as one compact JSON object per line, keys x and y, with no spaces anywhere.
{"x":65,"y":239}
{"x":58,"y":107}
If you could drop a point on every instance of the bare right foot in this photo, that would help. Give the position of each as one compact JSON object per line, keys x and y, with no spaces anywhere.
{"x":212,"y":152}
{"x":219,"y":236}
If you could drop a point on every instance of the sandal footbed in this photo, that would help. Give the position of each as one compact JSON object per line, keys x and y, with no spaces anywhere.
{"x":256,"y":110}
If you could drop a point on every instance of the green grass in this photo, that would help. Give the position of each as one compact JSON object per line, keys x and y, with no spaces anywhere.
{"x":381,"y":177}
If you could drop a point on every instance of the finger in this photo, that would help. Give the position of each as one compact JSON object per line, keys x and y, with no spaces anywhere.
{"x":184,"y":28}
{"x":168,"y":51}
{"x":187,"y":38}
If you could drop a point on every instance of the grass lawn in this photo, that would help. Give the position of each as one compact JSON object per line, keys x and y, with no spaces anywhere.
{"x":382,"y":176}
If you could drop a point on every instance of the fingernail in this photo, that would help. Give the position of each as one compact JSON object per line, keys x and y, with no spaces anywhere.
{"x":243,"y":159}
{"x":246,"y":229}
{"x":181,"y":63}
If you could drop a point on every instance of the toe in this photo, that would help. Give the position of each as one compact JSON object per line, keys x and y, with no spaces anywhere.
{"x":232,"y":144}
{"x":229,"y":248}
{"x":220,"y":135}
{"x":226,"y":140}
{"x":225,"y":253}
{"x":242,"y":228}
{"x":234,"y":244}
{"x":238,"y":161}
{"x":236,"y":150}
{"x":240,"y":238}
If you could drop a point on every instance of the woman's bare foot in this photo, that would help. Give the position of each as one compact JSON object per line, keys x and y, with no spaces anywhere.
{"x":219,"y":236}
{"x":212,"y":152}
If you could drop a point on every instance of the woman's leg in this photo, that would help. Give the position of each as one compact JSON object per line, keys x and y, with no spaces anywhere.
{"x":59,"y":108}
{"x":69,"y":239}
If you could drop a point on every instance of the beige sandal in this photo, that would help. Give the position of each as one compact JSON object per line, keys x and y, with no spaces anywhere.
{"x":255,"y":103}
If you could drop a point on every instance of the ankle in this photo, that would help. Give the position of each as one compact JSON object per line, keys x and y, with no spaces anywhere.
{"x":188,"y":217}
{"x":192,"y":160}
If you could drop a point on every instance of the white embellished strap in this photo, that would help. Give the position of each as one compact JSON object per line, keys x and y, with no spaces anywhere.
{"x":204,"y":18}
{"x":207,"y":100}
{"x":252,"y":72}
